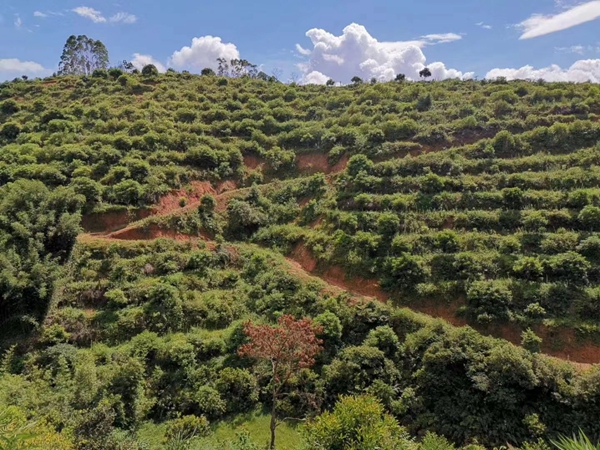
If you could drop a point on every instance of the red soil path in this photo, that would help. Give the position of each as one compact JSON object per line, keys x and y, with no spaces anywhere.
{"x":171,"y":203}
{"x":584,"y":354}
{"x":151,"y":232}
{"x":112,"y":220}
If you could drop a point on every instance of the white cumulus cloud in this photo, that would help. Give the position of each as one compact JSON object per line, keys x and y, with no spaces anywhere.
{"x":442,"y":38}
{"x":11,"y":67}
{"x":203,"y":53}
{"x":139,"y":61}
{"x":97,"y":17}
{"x":123,"y":17}
{"x":315,"y":77}
{"x":39,"y":14}
{"x":540,"y":25}
{"x":302,"y":50}
{"x":580,"y":72}
{"x":90,"y":13}
{"x":357,"y":53}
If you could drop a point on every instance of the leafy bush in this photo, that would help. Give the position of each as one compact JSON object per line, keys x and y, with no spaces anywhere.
{"x":489,"y":300}
{"x":404,"y":272}
{"x":238,"y":388}
{"x":589,"y":217}
{"x":149,"y":70}
{"x":355,"y":422}
{"x":184,"y":429}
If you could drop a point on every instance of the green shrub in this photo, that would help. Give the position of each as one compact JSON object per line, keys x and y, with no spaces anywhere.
{"x":150,"y":70}
{"x":355,"y":422}
{"x":589,"y":217}
{"x":127,"y":192}
{"x":185,"y":115}
{"x":54,"y":334}
{"x":489,"y":300}
{"x":590,"y":248}
{"x":116,"y":298}
{"x":164,"y":307}
{"x":10,"y":131}
{"x":9,"y":107}
{"x":530,"y":341}
{"x":529,"y":268}
{"x":184,"y":429}
{"x":210,"y":402}
{"x":238,"y":389}
{"x":404,"y":272}
{"x":570,"y":268}
{"x":424,"y":102}
{"x":385,"y":339}
{"x":332,"y":326}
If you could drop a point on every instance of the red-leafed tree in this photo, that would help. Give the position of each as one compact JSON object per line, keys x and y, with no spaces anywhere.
{"x":289,"y":347}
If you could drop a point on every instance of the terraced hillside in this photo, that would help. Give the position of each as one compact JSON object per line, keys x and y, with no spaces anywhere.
{"x":208,"y":201}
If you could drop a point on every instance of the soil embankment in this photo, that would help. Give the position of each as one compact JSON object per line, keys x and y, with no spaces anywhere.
{"x":559,"y":342}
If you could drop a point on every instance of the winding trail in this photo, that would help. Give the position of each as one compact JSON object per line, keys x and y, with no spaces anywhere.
{"x":302,"y":264}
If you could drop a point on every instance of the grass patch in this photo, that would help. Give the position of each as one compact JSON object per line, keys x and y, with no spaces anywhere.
{"x":256,"y":423}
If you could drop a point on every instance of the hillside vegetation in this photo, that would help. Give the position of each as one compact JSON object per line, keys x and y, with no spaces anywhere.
{"x":145,"y":218}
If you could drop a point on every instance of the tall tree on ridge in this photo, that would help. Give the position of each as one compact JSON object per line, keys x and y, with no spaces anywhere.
{"x":425,"y":73}
{"x":82,"y":55}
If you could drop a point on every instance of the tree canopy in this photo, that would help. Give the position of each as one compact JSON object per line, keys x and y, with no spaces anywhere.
{"x":82,"y":56}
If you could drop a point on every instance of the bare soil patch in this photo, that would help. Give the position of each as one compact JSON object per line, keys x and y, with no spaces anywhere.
{"x":340,"y":166}
{"x":226,"y":186}
{"x":442,"y":310}
{"x":310,"y":163}
{"x":189,"y":196}
{"x":362,"y":286}
{"x":112,"y":220}
{"x":336,"y":276}
{"x":303,"y":256}
{"x":253,"y":162}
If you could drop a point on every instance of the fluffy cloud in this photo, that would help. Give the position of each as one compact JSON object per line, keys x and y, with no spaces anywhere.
{"x":356,"y":52}
{"x":484,"y":25}
{"x":302,"y":50}
{"x":123,"y":18}
{"x":315,"y":77}
{"x":139,"y":61}
{"x":582,"y":71}
{"x":90,"y":13}
{"x":97,"y":17}
{"x":540,"y":25}
{"x":39,"y":14}
{"x":203,"y":53}
{"x":443,"y":38}
{"x":10,"y":68}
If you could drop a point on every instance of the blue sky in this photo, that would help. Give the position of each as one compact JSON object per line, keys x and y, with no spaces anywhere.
{"x":514,"y":38}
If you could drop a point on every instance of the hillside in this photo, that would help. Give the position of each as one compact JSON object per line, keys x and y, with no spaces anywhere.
{"x":145,"y":219}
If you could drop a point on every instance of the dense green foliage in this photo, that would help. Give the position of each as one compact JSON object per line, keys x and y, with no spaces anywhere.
{"x":477,"y":192}
{"x":151,"y":331}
